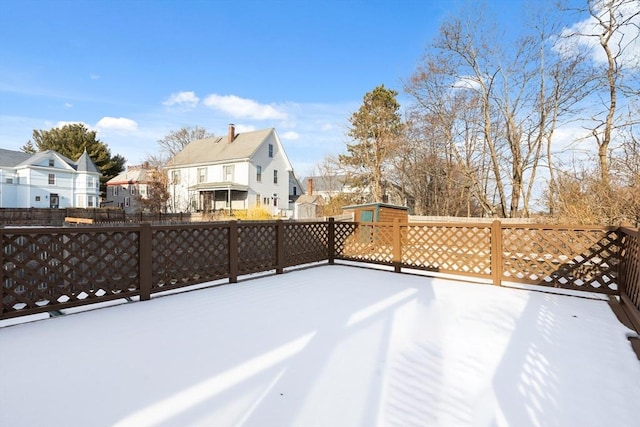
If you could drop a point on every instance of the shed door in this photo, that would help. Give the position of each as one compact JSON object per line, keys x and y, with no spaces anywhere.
{"x":366,"y":216}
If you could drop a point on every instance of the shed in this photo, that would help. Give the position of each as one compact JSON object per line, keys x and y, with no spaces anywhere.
{"x":377,"y":212}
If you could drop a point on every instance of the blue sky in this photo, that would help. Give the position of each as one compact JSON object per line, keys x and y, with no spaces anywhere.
{"x":135,"y":70}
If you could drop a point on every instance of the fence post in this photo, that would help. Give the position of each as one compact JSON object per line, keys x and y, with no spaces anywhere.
{"x":279,"y":246}
{"x":233,"y":252}
{"x":397,"y":246}
{"x":331,"y":241}
{"x":496,"y":252}
{"x":146,"y":267}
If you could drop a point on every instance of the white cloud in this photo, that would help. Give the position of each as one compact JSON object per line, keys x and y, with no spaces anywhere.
{"x":116,"y":123}
{"x":68,"y":105}
{"x":187,"y":99}
{"x":94,"y":76}
{"x":583,"y":36}
{"x":62,"y":124}
{"x":326,"y":127}
{"x":244,"y":108}
{"x":245,"y":128}
{"x":467,"y":82}
{"x":290,"y":135}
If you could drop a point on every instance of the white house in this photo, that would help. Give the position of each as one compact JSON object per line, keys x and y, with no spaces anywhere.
{"x":235,"y":172}
{"x":48,"y":180}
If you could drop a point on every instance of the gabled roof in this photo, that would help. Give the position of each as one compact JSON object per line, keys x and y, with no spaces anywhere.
{"x":312,"y":199}
{"x":11,"y":158}
{"x":15,"y":159}
{"x":326,"y":182}
{"x":219,"y":149}
{"x":36,"y":158}
{"x":130,"y":176}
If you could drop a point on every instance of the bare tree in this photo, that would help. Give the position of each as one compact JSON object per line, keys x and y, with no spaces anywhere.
{"x":497,"y":106}
{"x":613,"y":28}
{"x":175,"y":141}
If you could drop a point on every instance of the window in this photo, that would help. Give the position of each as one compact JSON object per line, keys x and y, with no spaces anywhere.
{"x":202,"y":174}
{"x":295,"y":190}
{"x":275,"y":176}
{"x":51,"y":163}
{"x":90,"y":204}
{"x":265,"y":201}
{"x":270,"y":150}
{"x":115,"y":190}
{"x":9,"y":181}
{"x":37,"y":198}
{"x":259,"y":173}
{"x":228,"y":173}
{"x":275,"y":199}
{"x":175,"y":177}
{"x":52,"y":179}
{"x":127,"y":202}
{"x":258,"y":200}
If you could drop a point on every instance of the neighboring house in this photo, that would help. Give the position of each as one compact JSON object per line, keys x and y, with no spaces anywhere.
{"x":327,"y":186}
{"x":48,"y":180}
{"x":234,"y":172}
{"x":309,"y":205}
{"x":126,"y":189}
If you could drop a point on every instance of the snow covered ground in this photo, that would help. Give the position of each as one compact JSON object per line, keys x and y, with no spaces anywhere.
{"x":327,"y":346}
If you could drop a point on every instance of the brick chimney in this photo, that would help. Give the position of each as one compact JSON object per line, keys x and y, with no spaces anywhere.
{"x":232,"y":132}
{"x":310,"y":186}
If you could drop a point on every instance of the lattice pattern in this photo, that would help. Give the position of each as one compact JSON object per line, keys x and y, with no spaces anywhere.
{"x":631,"y":266}
{"x":571,"y":259}
{"x":449,"y":249}
{"x":372,"y":243}
{"x":305,"y":242}
{"x":256,"y":248}
{"x":343,"y":231}
{"x":64,"y":268}
{"x":184,"y":255}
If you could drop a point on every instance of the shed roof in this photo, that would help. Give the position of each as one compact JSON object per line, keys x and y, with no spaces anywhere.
{"x":376,"y":205}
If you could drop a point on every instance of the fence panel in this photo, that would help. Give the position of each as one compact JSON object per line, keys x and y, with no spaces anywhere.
{"x":630,"y":273}
{"x":257,"y":249}
{"x":45,"y":269}
{"x":584,"y":259}
{"x":184,"y":255}
{"x":367,"y":242}
{"x":463,"y":249}
{"x":305,"y":242}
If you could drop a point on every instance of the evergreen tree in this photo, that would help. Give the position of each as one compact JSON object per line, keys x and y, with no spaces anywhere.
{"x":376,"y":129}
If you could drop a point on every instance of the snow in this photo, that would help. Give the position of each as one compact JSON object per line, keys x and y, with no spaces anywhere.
{"x":326,"y":346}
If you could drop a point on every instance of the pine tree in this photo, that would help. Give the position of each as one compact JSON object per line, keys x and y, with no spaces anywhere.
{"x":376,"y":129}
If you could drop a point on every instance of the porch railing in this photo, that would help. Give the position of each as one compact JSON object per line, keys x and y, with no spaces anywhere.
{"x":48,"y":269}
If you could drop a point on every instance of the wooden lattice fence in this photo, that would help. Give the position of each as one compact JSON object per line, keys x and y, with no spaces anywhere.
{"x":630,"y":274}
{"x":48,"y":269}
{"x":585,"y":258}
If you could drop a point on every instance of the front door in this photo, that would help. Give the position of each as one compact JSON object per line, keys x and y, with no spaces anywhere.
{"x":54,"y":201}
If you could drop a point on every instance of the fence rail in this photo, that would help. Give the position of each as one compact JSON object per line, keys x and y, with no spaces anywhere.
{"x":47,"y":269}
{"x":57,"y":217}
